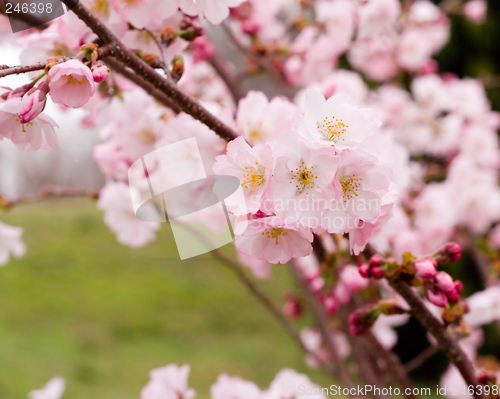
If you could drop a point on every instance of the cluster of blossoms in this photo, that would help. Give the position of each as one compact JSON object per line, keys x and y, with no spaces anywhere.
{"x":328,"y":175}
{"x":172,"y":382}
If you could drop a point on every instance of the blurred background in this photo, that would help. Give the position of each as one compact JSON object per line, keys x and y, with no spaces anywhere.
{"x":101,"y":315}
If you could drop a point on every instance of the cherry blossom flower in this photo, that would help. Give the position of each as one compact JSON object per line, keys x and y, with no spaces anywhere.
{"x":71,"y":84}
{"x":38,"y":134}
{"x":260,"y":120}
{"x":300,"y":188}
{"x":360,"y":183}
{"x":228,"y":387}
{"x":287,"y":384}
{"x":272,"y":240}
{"x":169,"y":382}
{"x":52,"y":390}
{"x":11,"y":243}
{"x":337,"y":121}
{"x":252,"y":166}
{"x":115,"y":201}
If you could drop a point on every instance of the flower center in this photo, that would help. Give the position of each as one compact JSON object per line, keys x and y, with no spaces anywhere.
{"x":73,"y":81}
{"x":275,"y":232}
{"x":304,"y":178}
{"x":350,"y":187}
{"x":147,"y":137}
{"x":100,"y":6}
{"x":332,"y":129}
{"x":22,"y":124}
{"x":255,"y":178}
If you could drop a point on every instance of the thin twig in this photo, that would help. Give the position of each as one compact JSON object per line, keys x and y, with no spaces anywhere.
{"x":49,"y":193}
{"x":123,"y":54}
{"x":392,"y":362}
{"x":421,"y":358}
{"x":446,"y":342}
{"x":228,"y":77}
{"x":16,"y":70}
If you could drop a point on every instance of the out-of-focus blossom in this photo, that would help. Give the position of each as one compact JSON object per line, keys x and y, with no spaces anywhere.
{"x":288,"y":384}
{"x":475,"y":10}
{"x":52,"y":390}
{"x":260,"y":120}
{"x":228,"y":387}
{"x":115,"y":201}
{"x":169,"y":382}
{"x":38,"y":134}
{"x":11,"y":243}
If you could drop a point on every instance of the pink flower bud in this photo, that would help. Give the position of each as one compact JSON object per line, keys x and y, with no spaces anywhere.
{"x":363,"y":318}
{"x":364,"y":270}
{"x":459,"y":286}
{"x":475,"y":10}
{"x":377,"y":272}
{"x":100,"y":73}
{"x":450,"y":252}
{"x":293,"y":307}
{"x":32,"y":105}
{"x":444,"y":282}
{"x":331,"y":304}
{"x":425,"y":269}
{"x":436,"y":297}
{"x":377,"y":260}
{"x":453,"y":296}
{"x":71,"y":84}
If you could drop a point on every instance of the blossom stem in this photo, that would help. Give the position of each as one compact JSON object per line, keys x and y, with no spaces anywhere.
{"x":124,"y":55}
{"x":446,"y":342}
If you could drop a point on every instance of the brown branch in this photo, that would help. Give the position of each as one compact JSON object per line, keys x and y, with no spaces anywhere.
{"x":49,"y":193}
{"x":367,"y":370}
{"x":421,"y":358}
{"x":229,"y":78}
{"x":148,"y":88}
{"x":123,"y":54}
{"x":392,"y":363}
{"x":446,"y":342}
{"x":322,"y":318}
{"x":6,"y":70}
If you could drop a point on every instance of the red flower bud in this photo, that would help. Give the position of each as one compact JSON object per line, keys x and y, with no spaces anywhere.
{"x":377,"y":260}
{"x":364,"y":270}
{"x":377,"y":272}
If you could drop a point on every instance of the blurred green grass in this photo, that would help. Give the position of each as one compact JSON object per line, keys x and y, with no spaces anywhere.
{"x":101,"y":315}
